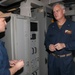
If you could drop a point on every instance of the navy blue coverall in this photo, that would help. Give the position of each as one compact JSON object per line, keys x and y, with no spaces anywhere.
{"x":61,"y":65}
{"x":4,"y":61}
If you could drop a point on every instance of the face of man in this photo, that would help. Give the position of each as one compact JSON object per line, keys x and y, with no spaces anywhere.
{"x":58,"y":12}
{"x":2,"y":24}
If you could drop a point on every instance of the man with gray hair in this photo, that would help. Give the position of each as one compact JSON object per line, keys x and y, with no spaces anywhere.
{"x":60,"y":41}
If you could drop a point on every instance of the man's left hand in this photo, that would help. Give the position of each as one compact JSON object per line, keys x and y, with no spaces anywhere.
{"x":60,"y":46}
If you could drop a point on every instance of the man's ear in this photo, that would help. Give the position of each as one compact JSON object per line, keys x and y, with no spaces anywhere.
{"x":64,"y":11}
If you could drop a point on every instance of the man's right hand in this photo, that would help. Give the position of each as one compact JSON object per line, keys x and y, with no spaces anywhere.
{"x":52,"y":48}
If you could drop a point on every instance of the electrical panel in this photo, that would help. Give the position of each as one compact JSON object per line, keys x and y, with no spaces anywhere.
{"x":34,"y":44}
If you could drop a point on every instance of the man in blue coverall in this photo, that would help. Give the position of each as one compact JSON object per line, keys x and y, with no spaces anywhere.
{"x":60,"y":40}
{"x":7,"y":67}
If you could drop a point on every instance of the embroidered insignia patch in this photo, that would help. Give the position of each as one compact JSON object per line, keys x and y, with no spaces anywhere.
{"x":68,"y":31}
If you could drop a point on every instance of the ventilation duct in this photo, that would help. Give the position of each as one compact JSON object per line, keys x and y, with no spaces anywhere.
{"x":8,"y":2}
{"x":1,"y":1}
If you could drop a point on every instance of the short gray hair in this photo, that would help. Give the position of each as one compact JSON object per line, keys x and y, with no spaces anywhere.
{"x":62,"y":5}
